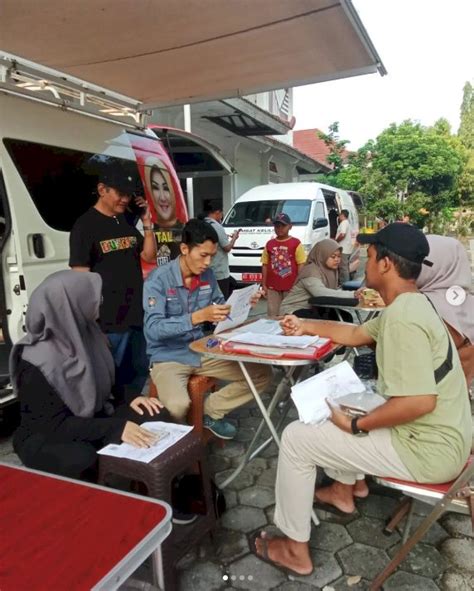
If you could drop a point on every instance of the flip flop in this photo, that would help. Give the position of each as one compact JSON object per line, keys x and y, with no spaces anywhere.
{"x":265,"y":558}
{"x":331,"y":508}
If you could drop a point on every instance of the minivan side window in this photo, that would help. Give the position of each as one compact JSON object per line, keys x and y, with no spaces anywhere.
{"x":319,"y":210}
{"x":56,"y":180}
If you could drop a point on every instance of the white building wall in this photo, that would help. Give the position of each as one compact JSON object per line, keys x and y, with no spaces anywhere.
{"x":249,"y":158}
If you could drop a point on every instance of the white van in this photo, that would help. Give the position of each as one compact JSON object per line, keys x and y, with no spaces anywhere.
{"x":45,"y":186}
{"x":312,"y":207}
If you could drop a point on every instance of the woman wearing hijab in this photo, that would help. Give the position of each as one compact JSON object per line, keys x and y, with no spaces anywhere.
{"x":451,"y":268}
{"x":319,"y":277}
{"x":63,"y":373}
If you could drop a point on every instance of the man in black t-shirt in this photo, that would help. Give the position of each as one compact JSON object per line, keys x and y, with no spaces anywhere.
{"x":103,"y":241}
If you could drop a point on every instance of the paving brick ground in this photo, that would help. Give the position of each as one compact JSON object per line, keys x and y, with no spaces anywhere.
{"x":347,"y":552}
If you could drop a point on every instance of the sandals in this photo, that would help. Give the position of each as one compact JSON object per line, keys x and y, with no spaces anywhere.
{"x":331,"y":508}
{"x":265,"y":558}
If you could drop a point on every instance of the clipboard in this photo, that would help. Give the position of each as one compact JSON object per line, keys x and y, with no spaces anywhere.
{"x":312,"y":352}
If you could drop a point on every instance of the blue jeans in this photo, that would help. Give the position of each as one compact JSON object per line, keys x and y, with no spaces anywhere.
{"x":131,"y":361}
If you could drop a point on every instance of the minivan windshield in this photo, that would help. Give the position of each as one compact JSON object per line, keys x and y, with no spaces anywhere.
{"x":262,"y":213}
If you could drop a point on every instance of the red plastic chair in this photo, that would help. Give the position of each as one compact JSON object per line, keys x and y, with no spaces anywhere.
{"x":456,"y":496}
{"x":198,"y":387}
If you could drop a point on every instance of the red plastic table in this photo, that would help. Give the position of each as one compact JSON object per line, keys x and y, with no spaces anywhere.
{"x":57,"y":533}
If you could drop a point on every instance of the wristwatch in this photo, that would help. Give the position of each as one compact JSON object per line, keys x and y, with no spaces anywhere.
{"x":355,"y":429}
{"x":148,"y":228}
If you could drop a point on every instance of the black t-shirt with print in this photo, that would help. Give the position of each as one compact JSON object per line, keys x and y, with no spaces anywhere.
{"x":111,"y":247}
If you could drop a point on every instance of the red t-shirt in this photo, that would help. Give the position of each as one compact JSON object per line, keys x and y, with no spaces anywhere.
{"x":282,"y":258}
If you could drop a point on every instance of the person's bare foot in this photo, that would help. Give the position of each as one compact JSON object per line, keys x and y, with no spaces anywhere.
{"x":338,"y":495}
{"x":361,"y":490}
{"x":285,"y":552}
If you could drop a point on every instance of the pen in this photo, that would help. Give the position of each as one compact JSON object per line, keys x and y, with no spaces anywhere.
{"x":227,"y":315}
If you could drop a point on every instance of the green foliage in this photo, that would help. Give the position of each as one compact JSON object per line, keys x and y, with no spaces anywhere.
{"x":466,"y":127}
{"x":425,"y":172}
{"x":388,"y":208}
{"x":335,"y":145}
{"x":465,"y":181}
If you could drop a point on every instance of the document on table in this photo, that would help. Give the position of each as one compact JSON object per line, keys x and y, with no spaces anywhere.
{"x":168,"y":434}
{"x":260,"y":326}
{"x":273,"y":340}
{"x":239,"y":301}
{"x":333,"y":383}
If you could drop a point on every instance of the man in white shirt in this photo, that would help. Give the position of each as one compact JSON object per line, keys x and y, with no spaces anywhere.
{"x":343,"y":236}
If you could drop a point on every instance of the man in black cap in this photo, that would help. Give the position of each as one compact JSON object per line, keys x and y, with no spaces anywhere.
{"x":103,"y":241}
{"x":422,"y":432}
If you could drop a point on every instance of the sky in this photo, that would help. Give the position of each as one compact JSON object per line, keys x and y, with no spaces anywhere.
{"x":427,"y":47}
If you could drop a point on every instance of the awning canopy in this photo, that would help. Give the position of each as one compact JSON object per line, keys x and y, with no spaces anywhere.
{"x":162,"y":53}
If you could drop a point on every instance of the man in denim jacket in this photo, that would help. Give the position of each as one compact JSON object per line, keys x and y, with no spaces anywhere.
{"x":178,"y":298}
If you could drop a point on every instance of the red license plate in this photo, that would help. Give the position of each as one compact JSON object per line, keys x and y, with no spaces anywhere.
{"x":251,"y":276}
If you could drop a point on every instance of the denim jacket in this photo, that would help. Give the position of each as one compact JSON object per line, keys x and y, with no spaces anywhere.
{"x":168,"y":306}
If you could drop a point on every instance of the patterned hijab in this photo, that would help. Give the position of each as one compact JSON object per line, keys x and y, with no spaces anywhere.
{"x":65,"y":343}
{"x":450,"y":267}
{"x":316,"y":263}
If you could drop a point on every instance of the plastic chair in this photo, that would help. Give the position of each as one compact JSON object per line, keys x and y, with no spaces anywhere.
{"x":456,"y":496}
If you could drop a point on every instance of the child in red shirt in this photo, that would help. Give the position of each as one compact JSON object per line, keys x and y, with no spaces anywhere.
{"x":282,"y":258}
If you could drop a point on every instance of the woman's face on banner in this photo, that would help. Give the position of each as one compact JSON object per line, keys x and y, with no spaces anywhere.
{"x":163,"y":198}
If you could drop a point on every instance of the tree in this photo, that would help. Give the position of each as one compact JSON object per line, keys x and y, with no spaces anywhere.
{"x":336,"y":147}
{"x":466,"y":126}
{"x":465,"y":183}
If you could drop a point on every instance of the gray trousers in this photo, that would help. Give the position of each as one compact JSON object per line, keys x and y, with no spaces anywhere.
{"x":343,"y":456}
{"x":344,"y":274}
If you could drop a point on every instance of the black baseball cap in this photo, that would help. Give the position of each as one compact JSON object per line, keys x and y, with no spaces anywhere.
{"x":117,"y":173}
{"x":282,"y":218}
{"x":402,"y":239}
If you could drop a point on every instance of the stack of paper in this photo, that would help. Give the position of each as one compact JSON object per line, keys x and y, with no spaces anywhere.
{"x":333,"y":383}
{"x":273,"y":340}
{"x":167,"y":435}
{"x":260,"y":326}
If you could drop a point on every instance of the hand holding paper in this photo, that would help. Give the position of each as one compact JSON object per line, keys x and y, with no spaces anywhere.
{"x":333,"y":384}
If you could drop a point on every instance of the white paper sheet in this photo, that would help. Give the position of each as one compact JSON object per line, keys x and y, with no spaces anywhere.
{"x":170,"y":433}
{"x":273,"y":340}
{"x":239,"y":301}
{"x":310,"y":396}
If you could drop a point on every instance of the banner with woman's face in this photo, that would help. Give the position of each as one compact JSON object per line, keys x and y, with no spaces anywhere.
{"x":164,"y":196}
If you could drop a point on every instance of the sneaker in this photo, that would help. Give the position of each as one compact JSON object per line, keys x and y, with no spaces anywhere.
{"x":183,"y":518}
{"x":220,"y":427}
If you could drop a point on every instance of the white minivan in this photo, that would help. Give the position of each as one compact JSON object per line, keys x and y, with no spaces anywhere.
{"x":45,"y":186}
{"x":312,"y":207}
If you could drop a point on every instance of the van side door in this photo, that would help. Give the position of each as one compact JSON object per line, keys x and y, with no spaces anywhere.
{"x":318,"y":230}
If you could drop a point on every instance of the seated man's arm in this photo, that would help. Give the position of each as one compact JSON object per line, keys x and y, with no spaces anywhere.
{"x":406,"y":360}
{"x":158,"y":324}
{"x":339,"y":332}
{"x":398,"y":410}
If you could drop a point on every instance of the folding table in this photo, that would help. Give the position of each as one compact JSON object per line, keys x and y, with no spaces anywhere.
{"x":58,"y":533}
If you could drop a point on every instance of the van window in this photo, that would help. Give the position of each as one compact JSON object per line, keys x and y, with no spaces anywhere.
{"x":262,"y":213}
{"x":319,"y":210}
{"x":56,"y":180}
{"x":357,"y":199}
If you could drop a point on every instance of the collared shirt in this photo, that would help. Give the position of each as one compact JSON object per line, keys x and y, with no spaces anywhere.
{"x":168,"y":306}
